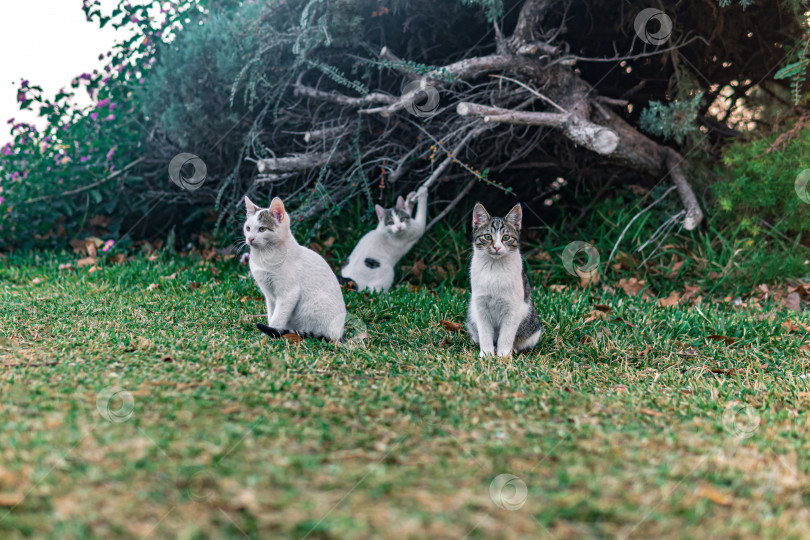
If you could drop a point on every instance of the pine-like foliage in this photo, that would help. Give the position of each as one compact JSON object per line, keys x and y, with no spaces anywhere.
{"x":796,"y":70}
{"x":673,"y":120}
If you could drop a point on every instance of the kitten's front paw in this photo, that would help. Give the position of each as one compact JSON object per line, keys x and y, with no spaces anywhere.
{"x":422,"y":192}
{"x":484,"y":353}
{"x":505,"y":354}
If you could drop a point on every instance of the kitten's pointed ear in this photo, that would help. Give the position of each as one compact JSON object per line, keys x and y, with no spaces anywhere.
{"x":250,"y":207}
{"x":401,"y":203}
{"x":277,"y":209}
{"x":480,"y":215}
{"x":515,"y":216}
{"x":380,"y":212}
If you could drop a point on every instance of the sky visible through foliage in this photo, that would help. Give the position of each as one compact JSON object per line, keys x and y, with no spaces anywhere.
{"x":48,"y":42}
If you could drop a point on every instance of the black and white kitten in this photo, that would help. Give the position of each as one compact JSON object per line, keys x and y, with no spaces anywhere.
{"x":501,"y":316}
{"x":371,"y":263}
{"x":301,"y":291}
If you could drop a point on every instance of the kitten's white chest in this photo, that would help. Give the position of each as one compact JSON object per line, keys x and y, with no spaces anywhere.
{"x":499,"y":279}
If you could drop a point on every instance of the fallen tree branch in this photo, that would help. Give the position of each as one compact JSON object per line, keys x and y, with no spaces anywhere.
{"x":694,"y":215}
{"x":462,"y":70}
{"x":340,"y":99}
{"x":300,"y":162}
{"x":326,"y":133}
{"x":597,"y":138}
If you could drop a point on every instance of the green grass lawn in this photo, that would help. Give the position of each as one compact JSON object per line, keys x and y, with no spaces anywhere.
{"x":139,"y":401}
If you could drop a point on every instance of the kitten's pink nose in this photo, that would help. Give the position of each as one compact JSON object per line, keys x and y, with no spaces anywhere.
{"x":497,"y":248}
{"x":250,"y":240}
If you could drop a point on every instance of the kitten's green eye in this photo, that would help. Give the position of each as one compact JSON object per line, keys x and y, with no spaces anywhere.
{"x":262,"y":229}
{"x":487,"y":237}
{"x":505,"y":237}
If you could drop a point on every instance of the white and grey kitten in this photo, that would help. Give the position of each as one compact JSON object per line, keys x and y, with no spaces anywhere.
{"x":501,"y":316}
{"x":371,"y":263}
{"x":301,"y":291}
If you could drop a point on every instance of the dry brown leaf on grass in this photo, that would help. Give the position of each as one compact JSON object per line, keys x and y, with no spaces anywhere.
{"x":650,"y":412}
{"x":631,"y":286}
{"x":451,"y":326}
{"x":417,"y":268}
{"x":86,"y":261}
{"x":92,"y":244}
{"x":793,"y":326}
{"x":589,"y":278}
{"x":557,"y":288}
{"x":625,"y":321}
{"x":731,"y":371}
{"x":713,"y":494}
{"x":65,"y":266}
{"x":690,"y":293}
{"x":118,"y":258}
{"x":152,"y":287}
{"x":670,"y":301}
{"x":293,"y":338}
{"x":194,"y":285}
{"x":793,"y":302}
{"x":718,"y":337}
{"x":604,"y":308}
{"x":230,"y":409}
{"x":9,"y":500}
{"x":595,"y":315}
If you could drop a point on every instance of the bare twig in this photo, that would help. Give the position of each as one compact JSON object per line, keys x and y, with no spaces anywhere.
{"x":656,"y":201}
{"x":90,"y":186}
{"x":300,"y":162}
{"x":463,"y":193}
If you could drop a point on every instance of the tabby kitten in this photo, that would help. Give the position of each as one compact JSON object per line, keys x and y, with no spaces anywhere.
{"x":301,"y":291}
{"x":501,"y":316}
{"x":371,"y":263}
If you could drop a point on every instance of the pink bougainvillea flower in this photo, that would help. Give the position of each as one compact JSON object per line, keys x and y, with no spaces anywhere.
{"x":83,"y":159}
{"x":103,"y":103}
{"x":110,"y":153}
{"x":94,"y":116}
{"x":110,"y":117}
{"x":108,"y":245}
{"x":2,"y":200}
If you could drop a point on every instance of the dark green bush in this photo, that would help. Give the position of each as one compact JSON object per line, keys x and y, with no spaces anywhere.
{"x":756,"y":186}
